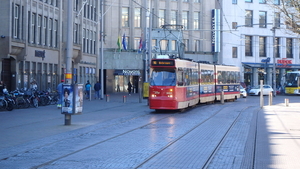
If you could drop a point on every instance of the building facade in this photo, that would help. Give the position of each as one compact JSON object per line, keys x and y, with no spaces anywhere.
{"x":33,"y":42}
{"x":253,"y":34}
{"x":130,"y":21}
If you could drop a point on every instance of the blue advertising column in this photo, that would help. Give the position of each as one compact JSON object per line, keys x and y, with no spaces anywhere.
{"x":72,"y":100}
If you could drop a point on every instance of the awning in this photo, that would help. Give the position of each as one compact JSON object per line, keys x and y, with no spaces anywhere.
{"x":270,"y":65}
{"x":128,"y":72}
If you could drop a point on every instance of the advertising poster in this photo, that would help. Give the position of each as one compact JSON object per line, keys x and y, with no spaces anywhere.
{"x":67,"y":99}
{"x":78,"y":90}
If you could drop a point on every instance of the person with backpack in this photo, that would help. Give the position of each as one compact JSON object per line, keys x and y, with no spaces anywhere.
{"x":97,"y":88}
{"x":88,"y":89}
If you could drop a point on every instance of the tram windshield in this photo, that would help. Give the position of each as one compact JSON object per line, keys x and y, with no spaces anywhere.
{"x":292,"y":79}
{"x":163,"y":78}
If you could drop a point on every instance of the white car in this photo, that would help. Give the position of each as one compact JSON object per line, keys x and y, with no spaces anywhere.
{"x":256,"y":90}
{"x":243,"y":92}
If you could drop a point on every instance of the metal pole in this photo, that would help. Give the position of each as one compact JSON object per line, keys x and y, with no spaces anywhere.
{"x":101,"y":46}
{"x":274,"y":64}
{"x":69,"y":55}
{"x":261,"y":94}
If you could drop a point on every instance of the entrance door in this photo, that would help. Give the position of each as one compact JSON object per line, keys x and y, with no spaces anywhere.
{"x":6,"y":73}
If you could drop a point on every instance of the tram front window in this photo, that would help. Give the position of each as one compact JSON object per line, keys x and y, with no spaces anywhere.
{"x":292,"y":80}
{"x":163,"y":78}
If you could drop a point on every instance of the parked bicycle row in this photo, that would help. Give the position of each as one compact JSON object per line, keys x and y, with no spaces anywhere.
{"x":19,"y":99}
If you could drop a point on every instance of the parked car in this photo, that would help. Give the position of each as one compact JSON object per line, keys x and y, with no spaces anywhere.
{"x":256,"y":90}
{"x":243,"y":91}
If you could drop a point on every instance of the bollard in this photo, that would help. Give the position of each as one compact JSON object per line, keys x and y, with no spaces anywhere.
{"x":124,"y":99}
{"x":270,"y":98}
{"x":107,"y":98}
{"x":222,"y":97}
{"x":67,"y":119}
{"x":286,"y":102}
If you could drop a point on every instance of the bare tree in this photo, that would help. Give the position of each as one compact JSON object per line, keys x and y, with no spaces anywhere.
{"x":290,"y":11}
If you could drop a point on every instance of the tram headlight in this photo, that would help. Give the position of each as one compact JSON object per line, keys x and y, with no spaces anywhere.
{"x":153,"y":95}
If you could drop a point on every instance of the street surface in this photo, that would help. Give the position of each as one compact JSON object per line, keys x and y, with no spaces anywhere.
{"x":125,"y":135}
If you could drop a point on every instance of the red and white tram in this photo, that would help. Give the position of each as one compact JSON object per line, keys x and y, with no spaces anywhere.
{"x":180,"y":83}
{"x":174,"y":84}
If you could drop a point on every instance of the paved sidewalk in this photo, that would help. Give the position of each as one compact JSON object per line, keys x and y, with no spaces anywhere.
{"x":278,"y":135}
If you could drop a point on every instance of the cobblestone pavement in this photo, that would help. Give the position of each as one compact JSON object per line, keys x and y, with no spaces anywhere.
{"x":265,"y":137}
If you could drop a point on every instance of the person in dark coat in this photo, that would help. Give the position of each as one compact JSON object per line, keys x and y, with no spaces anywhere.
{"x":97,"y":88}
{"x":129,"y":88}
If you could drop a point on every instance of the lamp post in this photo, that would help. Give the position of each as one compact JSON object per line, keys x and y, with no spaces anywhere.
{"x":274,"y":62}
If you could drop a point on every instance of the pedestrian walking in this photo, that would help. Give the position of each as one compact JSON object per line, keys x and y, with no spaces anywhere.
{"x":129,"y":88}
{"x":33,"y":85}
{"x":59,"y":91}
{"x":87,"y":89}
{"x":97,"y":88}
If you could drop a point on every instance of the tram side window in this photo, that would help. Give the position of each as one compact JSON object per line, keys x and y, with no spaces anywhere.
{"x":221,"y":78}
{"x":180,"y":77}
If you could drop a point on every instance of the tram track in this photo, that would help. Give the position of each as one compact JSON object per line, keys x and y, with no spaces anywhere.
{"x":145,"y":117}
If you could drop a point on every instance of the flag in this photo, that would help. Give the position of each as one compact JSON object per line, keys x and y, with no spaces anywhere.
{"x":119,"y":43}
{"x":140,"y":45}
{"x":124,"y":42}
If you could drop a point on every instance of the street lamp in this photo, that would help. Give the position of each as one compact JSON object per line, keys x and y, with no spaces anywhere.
{"x":274,"y":64}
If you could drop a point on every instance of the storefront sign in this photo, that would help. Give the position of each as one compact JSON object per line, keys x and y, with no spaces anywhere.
{"x":39,"y":53}
{"x":284,"y":63}
{"x":127,"y":72}
{"x":215,"y":27}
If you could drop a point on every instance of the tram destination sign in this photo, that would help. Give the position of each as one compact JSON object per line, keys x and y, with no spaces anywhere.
{"x":163,"y":63}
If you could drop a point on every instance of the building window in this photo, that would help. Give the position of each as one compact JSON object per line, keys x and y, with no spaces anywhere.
{"x":262,"y":46}
{"x":262,"y":19}
{"x":277,"y":45}
{"x":234,"y":52}
{"x":16,"y":21}
{"x":196,"y":20}
{"x":163,"y":45}
{"x":83,"y":40}
{"x":75,"y":36}
{"x":94,"y":43}
{"x":33,"y":28}
{"x":234,"y":25}
{"x":55,"y":35}
{"x":87,"y":41}
{"x":248,"y":0}
{"x":75,"y":5}
{"x":173,"y":45}
{"x":234,"y":1}
{"x":262,"y":1}
{"x":39,"y":30}
{"x":91,"y":41}
{"x":162,"y":17}
{"x":249,"y":18}
{"x":125,"y":17}
{"x":277,"y":20}
{"x":50,"y":35}
{"x":248,"y":45}
{"x":186,"y":44}
{"x":173,"y":18}
{"x":137,"y":17}
{"x":197,"y":45}
{"x":197,"y":1}
{"x":185,"y":19}
{"x":276,"y":2}
{"x":45,"y":23}
{"x":289,"y":48}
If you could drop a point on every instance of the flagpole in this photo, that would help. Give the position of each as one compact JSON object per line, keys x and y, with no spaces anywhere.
{"x":101,"y":46}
